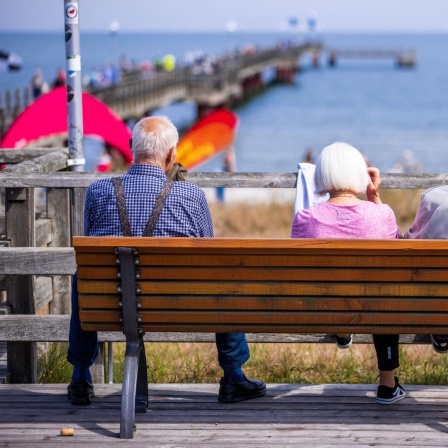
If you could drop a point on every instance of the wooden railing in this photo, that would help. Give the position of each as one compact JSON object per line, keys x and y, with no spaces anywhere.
{"x":42,"y":208}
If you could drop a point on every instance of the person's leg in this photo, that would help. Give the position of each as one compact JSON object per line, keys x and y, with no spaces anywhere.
{"x":233,"y":352}
{"x":82,"y":352}
{"x":389,"y":390}
{"x":386,"y":346}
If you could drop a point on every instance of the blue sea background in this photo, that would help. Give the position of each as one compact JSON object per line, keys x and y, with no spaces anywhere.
{"x":375,"y":106}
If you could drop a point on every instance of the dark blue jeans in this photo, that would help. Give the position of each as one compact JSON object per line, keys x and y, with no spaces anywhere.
{"x":233,"y":350}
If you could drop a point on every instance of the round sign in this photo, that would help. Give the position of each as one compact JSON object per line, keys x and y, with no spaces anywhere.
{"x":71,"y":11}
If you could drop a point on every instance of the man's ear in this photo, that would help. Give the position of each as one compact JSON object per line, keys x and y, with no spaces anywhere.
{"x":171,"y":154}
{"x":130,"y":143}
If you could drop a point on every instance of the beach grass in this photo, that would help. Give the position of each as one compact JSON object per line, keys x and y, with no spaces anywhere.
{"x":275,"y":363}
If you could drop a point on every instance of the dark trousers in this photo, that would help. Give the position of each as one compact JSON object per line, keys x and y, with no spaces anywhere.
{"x":386,"y":346}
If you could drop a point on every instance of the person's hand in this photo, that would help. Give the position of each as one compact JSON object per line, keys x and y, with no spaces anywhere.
{"x":373,"y":189}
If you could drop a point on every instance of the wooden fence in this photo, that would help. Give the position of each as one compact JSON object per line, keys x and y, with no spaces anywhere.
{"x":42,"y":208}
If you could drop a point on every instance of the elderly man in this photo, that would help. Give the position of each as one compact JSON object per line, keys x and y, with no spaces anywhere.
{"x":143,"y":202}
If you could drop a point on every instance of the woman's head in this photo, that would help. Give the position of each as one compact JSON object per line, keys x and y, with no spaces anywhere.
{"x":341,"y":167}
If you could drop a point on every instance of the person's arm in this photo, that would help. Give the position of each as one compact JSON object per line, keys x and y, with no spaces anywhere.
{"x":373,"y":189}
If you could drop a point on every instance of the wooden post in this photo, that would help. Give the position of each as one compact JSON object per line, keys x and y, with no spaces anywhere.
{"x":58,"y":210}
{"x":22,"y":356}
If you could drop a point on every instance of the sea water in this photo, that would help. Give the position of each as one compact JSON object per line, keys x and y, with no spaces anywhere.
{"x":398,"y":117}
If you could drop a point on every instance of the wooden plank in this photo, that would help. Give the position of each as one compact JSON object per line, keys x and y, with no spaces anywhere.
{"x":268,"y":273}
{"x":59,"y":211}
{"x":22,"y":356}
{"x":278,"y":318}
{"x":39,"y":261}
{"x":292,"y":261}
{"x":54,"y":328}
{"x":232,"y":327}
{"x":212,"y":180}
{"x":173,"y":302}
{"x":272,"y":288}
{"x":49,"y":162}
{"x":43,"y":291}
{"x":284,"y":246}
{"x":19,"y":155}
{"x":43,"y":232}
{"x":78,"y":198}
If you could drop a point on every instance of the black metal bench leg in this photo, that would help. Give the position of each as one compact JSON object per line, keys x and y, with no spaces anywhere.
{"x":141,"y":393}
{"x":131,"y":363}
{"x":135,"y":378}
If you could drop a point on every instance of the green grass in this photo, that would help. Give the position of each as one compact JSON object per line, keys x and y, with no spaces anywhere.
{"x":274,"y":363}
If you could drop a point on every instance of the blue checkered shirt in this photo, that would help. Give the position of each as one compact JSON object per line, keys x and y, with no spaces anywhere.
{"x":186,"y":211}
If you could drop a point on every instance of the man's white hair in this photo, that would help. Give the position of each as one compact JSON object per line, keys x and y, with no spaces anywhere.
{"x":341,"y":167}
{"x":152,"y":138}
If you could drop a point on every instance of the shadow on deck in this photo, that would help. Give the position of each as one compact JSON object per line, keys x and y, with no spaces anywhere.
{"x":189,"y":415}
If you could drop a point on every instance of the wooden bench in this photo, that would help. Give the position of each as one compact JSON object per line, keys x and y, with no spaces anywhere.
{"x":139,"y":285}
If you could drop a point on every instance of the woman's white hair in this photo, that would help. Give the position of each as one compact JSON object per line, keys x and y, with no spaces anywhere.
{"x":152,"y":138}
{"x":341,"y":167}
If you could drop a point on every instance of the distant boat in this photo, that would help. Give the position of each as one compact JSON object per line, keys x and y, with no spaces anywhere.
{"x":114,"y":26}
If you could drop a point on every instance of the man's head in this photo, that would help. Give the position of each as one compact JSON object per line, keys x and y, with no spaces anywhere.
{"x":154,"y":141}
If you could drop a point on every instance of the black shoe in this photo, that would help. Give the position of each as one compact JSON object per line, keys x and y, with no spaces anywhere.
{"x":230,"y":392}
{"x":80,"y":392}
{"x":344,"y":342}
{"x":389,"y":395}
{"x":439,"y":343}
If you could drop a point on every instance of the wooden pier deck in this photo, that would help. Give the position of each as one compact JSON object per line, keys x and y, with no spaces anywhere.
{"x":189,"y":415}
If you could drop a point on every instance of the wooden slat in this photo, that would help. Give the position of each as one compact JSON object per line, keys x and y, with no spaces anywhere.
{"x":270,"y":273}
{"x":213,"y":180}
{"x":56,"y":327}
{"x":285,"y":246}
{"x":20,"y":155}
{"x":39,"y":261}
{"x":49,"y":162}
{"x":273,"y":288}
{"x":174,"y":260}
{"x":269,"y":303}
{"x":269,"y":328}
{"x":276,"y":318}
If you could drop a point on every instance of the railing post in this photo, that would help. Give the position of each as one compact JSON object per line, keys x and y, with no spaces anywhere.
{"x":58,"y":210}
{"x":22,"y":356}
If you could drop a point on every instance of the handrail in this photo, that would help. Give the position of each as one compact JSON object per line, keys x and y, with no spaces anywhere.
{"x":64,"y":179}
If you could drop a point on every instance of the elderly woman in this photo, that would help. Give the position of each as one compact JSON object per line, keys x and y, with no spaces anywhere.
{"x":342,"y":173}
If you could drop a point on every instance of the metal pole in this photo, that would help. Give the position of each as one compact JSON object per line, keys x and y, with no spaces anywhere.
{"x":74,"y":86}
{"x":110,"y":357}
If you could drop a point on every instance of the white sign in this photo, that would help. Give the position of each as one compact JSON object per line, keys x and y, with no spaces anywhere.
{"x":71,"y":13}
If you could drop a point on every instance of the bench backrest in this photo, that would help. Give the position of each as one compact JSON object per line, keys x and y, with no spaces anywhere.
{"x":269,"y":285}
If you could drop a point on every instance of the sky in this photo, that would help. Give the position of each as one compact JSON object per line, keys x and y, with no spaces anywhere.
{"x":213,"y":15}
